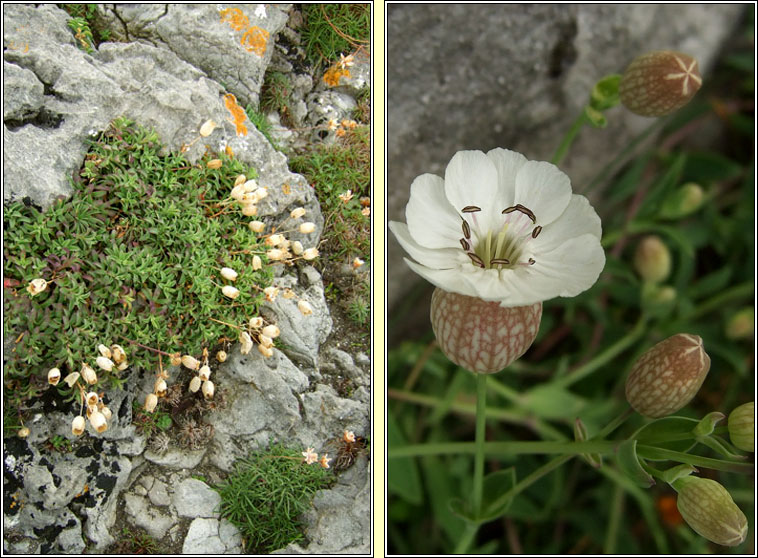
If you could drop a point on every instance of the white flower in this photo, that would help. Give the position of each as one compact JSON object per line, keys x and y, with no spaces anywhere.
{"x":501,"y":228}
{"x":310,"y":455}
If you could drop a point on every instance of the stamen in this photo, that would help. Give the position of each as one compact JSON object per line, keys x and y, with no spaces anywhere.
{"x":531,"y":261}
{"x":476,"y":259}
{"x":466,"y":230}
{"x":471,"y":209}
{"x":536,"y":231}
{"x":526,"y":211}
{"x":499,"y":261}
{"x":464,"y":244}
{"x":509,"y":210}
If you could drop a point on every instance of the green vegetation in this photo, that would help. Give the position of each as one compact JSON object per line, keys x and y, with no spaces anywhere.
{"x":334,"y":29}
{"x":150,"y":423}
{"x":275,"y":94}
{"x":134,"y":256}
{"x":135,"y":542}
{"x":267,"y":493}
{"x":83,"y":23}
{"x":258,"y":118}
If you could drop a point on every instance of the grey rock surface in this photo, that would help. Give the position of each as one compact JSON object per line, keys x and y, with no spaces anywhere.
{"x":211,"y":536}
{"x":194,"y":498}
{"x":143,"y":515}
{"x":516,"y":76}
{"x":22,"y":93}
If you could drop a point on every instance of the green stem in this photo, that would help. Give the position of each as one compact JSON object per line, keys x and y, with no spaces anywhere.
{"x":603,"y":358}
{"x":738,"y":291}
{"x":503,"y":448}
{"x":614,"y":424}
{"x":649,"y":452}
{"x":617,"y":510}
{"x":468,"y":537}
{"x":569,"y":138}
{"x":481,"y":406}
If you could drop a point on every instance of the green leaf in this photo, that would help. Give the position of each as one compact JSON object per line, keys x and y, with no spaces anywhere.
{"x":710,"y":166}
{"x":495,"y":498}
{"x":630,"y":464}
{"x":672,"y":433}
{"x":403,"y":477}
{"x":721,"y":446}
{"x":553,"y":402}
{"x":708,"y":423}
{"x":678,"y":472}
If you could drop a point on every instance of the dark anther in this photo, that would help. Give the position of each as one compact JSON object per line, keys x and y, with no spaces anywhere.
{"x":531,"y":261}
{"x":500,"y":261}
{"x":471,"y":209}
{"x":536,"y":231}
{"x":464,"y":244}
{"x":476,"y":259}
{"x":466,"y":230}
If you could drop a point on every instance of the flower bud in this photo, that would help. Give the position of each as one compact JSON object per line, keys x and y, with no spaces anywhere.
{"x":54,"y":376}
{"x":310,"y":254}
{"x":265,"y":351}
{"x":305,"y":308}
{"x":230,"y":292}
{"x":98,"y":422}
{"x":194,"y":384}
{"x":297,"y":212}
{"x":228,"y":273}
{"x":104,"y":351}
{"x":742,"y":426}
{"x":214,"y":164}
{"x":685,"y":200}
{"x":36,"y":286}
{"x":190,"y":362}
{"x":660,"y":82}
{"x":257,"y":263}
{"x":257,"y":226}
{"x":307,"y":228}
{"x":88,"y":375}
{"x":104,"y":363}
{"x":667,"y":376}
{"x":255,"y":322}
{"x":221,"y":356}
{"x":118,"y":354}
{"x":71,"y":379}
{"x":208,"y":389}
{"x":207,"y":128}
{"x":77,"y":426}
{"x":204,"y":373}
{"x":150,"y":402}
{"x":160,"y":387}
{"x":271,"y":331}
{"x":297,"y":248}
{"x":652,"y":259}
{"x":741,"y":325}
{"x":708,"y":508}
{"x":246,"y":342}
{"x":23,"y":432}
{"x":482,"y":336}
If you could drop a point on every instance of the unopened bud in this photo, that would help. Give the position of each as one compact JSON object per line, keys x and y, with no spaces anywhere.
{"x":741,"y":325}
{"x":667,"y":376}
{"x":228,"y":273}
{"x":208,"y":389}
{"x":150,"y":402}
{"x":652,"y":259}
{"x":98,"y":422}
{"x":88,"y":375}
{"x":271,"y":331}
{"x":659,"y":83}
{"x":685,"y":200}
{"x":104,"y":363}
{"x":742,"y":426}
{"x":230,"y":292}
{"x":305,"y":308}
{"x":483,"y":337}
{"x":214,"y":164}
{"x":194,"y":384}
{"x":310,"y":254}
{"x":77,"y":426}
{"x":257,"y":226}
{"x":190,"y":362}
{"x":297,"y":212}
{"x":708,"y":508}
{"x":207,"y":128}
{"x":53,"y":376}
{"x":307,"y":228}
{"x":204,"y":373}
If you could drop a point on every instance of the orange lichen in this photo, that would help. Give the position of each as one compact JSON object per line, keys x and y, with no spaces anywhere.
{"x":238,"y":114}
{"x":235,"y":18}
{"x":255,"y":40}
{"x":286,"y":189}
{"x":332,"y":75}
{"x":228,"y":150}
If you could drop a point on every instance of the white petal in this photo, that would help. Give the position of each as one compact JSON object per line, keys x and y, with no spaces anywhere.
{"x":450,"y":280}
{"x":432,"y":221}
{"x":471,"y":179}
{"x":507,"y":164}
{"x":579,"y":218}
{"x":510,"y":286}
{"x":439,"y":258}
{"x":544,"y":189}
{"x":569,"y":269}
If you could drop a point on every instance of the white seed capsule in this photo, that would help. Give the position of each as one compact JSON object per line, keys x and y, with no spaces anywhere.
{"x":160,"y":387}
{"x":104,"y":363}
{"x":241,"y":179}
{"x":208,"y":389}
{"x":266,"y":341}
{"x":251,"y":185}
{"x":118,"y":354}
{"x":106,"y":413}
{"x":275,"y":254}
{"x":305,"y":308}
{"x":221,"y":356}
{"x":204,"y":373}
{"x":310,"y":254}
{"x":307,"y":228}
{"x":190,"y":362}
{"x":257,"y":263}
{"x":71,"y":379}
{"x":54,"y":376}
{"x":23,"y":432}
{"x":297,"y":248}
{"x":228,"y":273}
{"x":230,"y":292}
{"x":36,"y":286}
{"x":238,"y":192}
{"x":274,"y":240}
{"x":271,"y":331}
{"x":88,"y":374}
{"x":104,"y":351}
{"x":257,"y":226}
{"x":123,"y":366}
{"x":256,"y":322}
{"x":207,"y":128}
{"x":92,"y":398}
{"x":297,"y":212}
{"x":265,"y":351}
{"x":246,"y":342}
{"x":271,"y":293}
{"x":249,"y":210}
{"x":98,"y":422}
{"x":77,"y":426}
{"x":194,"y":384}
{"x":150,"y":402}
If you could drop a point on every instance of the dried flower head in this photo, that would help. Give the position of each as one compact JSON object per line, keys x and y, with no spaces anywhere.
{"x":176,"y":359}
{"x":91,"y":398}
{"x":53,"y":376}
{"x":105,"y":363}
{"x":160,"y":387}
{"x":667,"y":376}
{"x":271,"y":293}
{"x":249,"y":210}
{"x":366,"y":211}
{"x":256,"y":322}
{"x":98,"y":422}
{"x":266,"y":351}
{"x":150,"y":402}
{"x":104,"y":351}
{"x":118,"y":354}
{"x":246,"y":342}
{"x":77,"y":426}
{"x":71,"y":379}
{"x":357,"y":262}
{"x":348,"y":436}
{"x":257,"y":263}
{"x":310,"y":456}
{"x":346,"y":197}
{"x":271,"y":331}
{"x":324,"y":461}
{"x":36,"y":286}
{"x":204,"y":373}
{"x":275,"y":254}
{"x":88,"y":374}
{"x":221,"y":356}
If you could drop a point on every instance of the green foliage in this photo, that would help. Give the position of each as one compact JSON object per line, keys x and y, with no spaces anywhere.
{"x":360,"y":310}
{"x":334,"y":29}
{"x":59,"y":443}
{"x":84,"y":25}
{"x":275,"y":94}
{"x":266,"y":495}
{"x":261,"y":122}
{"x":132,"y":257}
{"x":135,"y":542}
{"x":150,"y":423}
